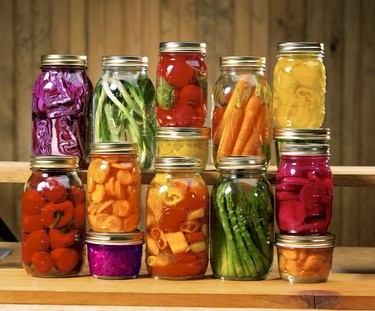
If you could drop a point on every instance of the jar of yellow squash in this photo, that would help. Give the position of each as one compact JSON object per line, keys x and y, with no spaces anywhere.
{"x":299,"y":85}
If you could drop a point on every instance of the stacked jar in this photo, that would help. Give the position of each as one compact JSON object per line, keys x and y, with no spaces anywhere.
{"x":304,"y":187}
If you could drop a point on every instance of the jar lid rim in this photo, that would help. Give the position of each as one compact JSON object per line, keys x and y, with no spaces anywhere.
{"x":136,"y":237}
{"x":63,"y":59}
{"x":255,"y":62}
{"x":300,"y":48}
{"x":53,"y":161}
{"x":177,"y":163}
{"x":183,"y":132}
{"x":243,"y":163}
{"x":126,"y":61}
{"x":300,"y":134}
{"x":114,"y":148}
{"x":304,"y":149}
{"x":306,"y":241}
{"x":175,"y":46}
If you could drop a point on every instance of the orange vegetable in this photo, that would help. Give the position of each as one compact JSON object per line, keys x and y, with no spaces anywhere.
{"x":131,"y":223}
{"x":194,"y":237}
{"x":254,"y":139}
{"x":190,"y":226}
{"x":217,"y":116}
{"x":122,"y":208}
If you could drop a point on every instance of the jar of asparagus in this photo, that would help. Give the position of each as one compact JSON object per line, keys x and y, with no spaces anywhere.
{"x":242,"y":220}
{"x":123,"y":107}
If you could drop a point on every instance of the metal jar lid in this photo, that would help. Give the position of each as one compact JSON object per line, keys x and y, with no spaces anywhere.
{"x":306,"y":241}
{"x":197,"y":47}
{"x":124,"y":61}
{"x":252,"y":62}
{"x":252,"y":163}
{"x":64,"y":60}
{"x":304,"y":149}
{"x":136,"y":237}
{"x":114,"y":148}
{"x":300,"y":48}
{"x":183,"y":133}
{"x":177,"y":163}
{"x":55,"y":162}
{"x":322,"y":134}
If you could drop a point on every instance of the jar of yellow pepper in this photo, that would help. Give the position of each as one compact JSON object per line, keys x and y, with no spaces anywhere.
{"x":299,"y":85}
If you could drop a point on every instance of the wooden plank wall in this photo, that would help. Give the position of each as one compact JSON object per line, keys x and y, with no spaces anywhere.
{"x":29,"y":28}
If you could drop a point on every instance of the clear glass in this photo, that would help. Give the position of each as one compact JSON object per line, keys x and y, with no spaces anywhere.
{"x":299,"y":88}
{"x":241,"y":114}
{"x":123,"y":109}
{"x":53,"y":223}
{"x":113,"y":193}
{"x":304,"y":192}
{"x":242,"y":227}
{"x":177,"y":226}
{"x":181,"y":89}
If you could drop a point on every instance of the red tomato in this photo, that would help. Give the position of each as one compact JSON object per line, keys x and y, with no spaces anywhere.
{"x":165,"y":117}
{"x":185,"y":115}
{"x":193,"y":95}
{"x":181,"y":74}
{"x":171,"y":219}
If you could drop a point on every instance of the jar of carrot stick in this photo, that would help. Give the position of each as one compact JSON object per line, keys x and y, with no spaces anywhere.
{"x":305,"y":259}
{"x":177,"y":220}
{"x":113,"y":188}
{"x":241,"y":109}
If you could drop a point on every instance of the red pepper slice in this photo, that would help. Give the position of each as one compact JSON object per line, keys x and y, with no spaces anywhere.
{"x":76,"y":195}
{"x":57,"y":215}
{"x":65,"y":259}
{"x":192,"y":95}
{"x":37,"y":241}
{"x":180,"y":74}
{"x":53,"y":190}
{"x":185,"y":115}
{"x":32,"y":223}
{"x":42,"y":262}
{"x":59,"y":239}
{"x":80,"y":216}
{"x":32,"y":202}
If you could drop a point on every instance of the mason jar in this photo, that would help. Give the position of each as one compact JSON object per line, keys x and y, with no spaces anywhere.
{"x":113,"y":188}
{"x":242,"y":220}
{"x":53,"y":218}
{"x":241,"y":109}
{"x":299,"y":85}
{"x":181,"y":84}
{"x":177,"y":220}
{"x":60,"y":100}
{"x":304,"y":189}
{"x":305,"y":259}
{"x":123,"y":107}
{"x":183,"y":142}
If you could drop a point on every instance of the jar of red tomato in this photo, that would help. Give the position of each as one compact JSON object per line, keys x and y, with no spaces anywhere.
{"x":304,"y":189}
{"x":181,"y":84}
{"x":53,"y":218}
{"x":177,"y":220}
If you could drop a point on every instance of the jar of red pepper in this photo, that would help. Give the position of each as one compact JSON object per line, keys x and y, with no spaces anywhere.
{"x":304,"y":189}
{"x":53,"y":218}
{"x":181,"y":84}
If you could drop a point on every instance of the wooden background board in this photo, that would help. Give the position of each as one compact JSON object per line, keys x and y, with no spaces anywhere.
{"x":29,"y":28}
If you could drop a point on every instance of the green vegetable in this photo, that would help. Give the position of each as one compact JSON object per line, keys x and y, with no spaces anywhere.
{"x":165,"y":94}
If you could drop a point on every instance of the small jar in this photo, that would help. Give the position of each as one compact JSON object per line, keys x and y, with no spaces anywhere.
{"x":241,"y":115}
{"x":177,"y":220}
{"x":61,"y":96}
{"x":299,"y":136}
{"x":299,"y":85}
{"x":305,"y":259}
{"x":123,"y":107}
{"x":53,"y":218}
{"x":181,"y":84}
{"x":114,"y":255}
{"x":304,"y":189}
{"x":242,"y":220}
{"x":113,"y":188}
{"x":183,"y":142}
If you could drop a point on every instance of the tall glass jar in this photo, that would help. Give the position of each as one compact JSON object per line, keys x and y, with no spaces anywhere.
{"x":123,"y":107}
{"x":242,"y":220}
{"x":61,"y":96}
{"x":304,"y":189}
{"x":299,"y":85}
{"x":113,"y":188}
{"x":53,"y":218}
{"x":241,"y":115}
{"x":177,"y":220}
{"x":181,"y":84}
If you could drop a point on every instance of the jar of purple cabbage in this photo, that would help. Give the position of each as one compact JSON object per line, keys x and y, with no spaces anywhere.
{"x":61,"y":96}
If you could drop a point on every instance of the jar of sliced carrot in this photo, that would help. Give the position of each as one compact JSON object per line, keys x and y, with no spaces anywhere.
{"x":299,"y":85}
{"x":304,"y":189}
{"x":177,"y":220}
{"x":53,"y":218}
{"x":113,"y":187}
{"x":241,"y":115}
{"x":305,"y":259}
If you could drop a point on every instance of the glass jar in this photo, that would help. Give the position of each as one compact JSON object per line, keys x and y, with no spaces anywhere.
{"x":305,"y":259}
{"x":304,"y":190}
{"x":114,"y":255}
{"x":177,"y":220}
{"x":183,"y":142}
{"x":242,"y":220}
{"x":123,"y":107}
{"x":181,"y":84}
{"x":113,"y":188}
{"x":299,"y":136}
{"x":299,"y":85}
{"x":241,"y":115}
{"x":61,"y":96}
{"x":53,"y":218}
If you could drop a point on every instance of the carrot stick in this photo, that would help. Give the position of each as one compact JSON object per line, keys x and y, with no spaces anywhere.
{"x":217,"y":116}
{"x":250,"y":145}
